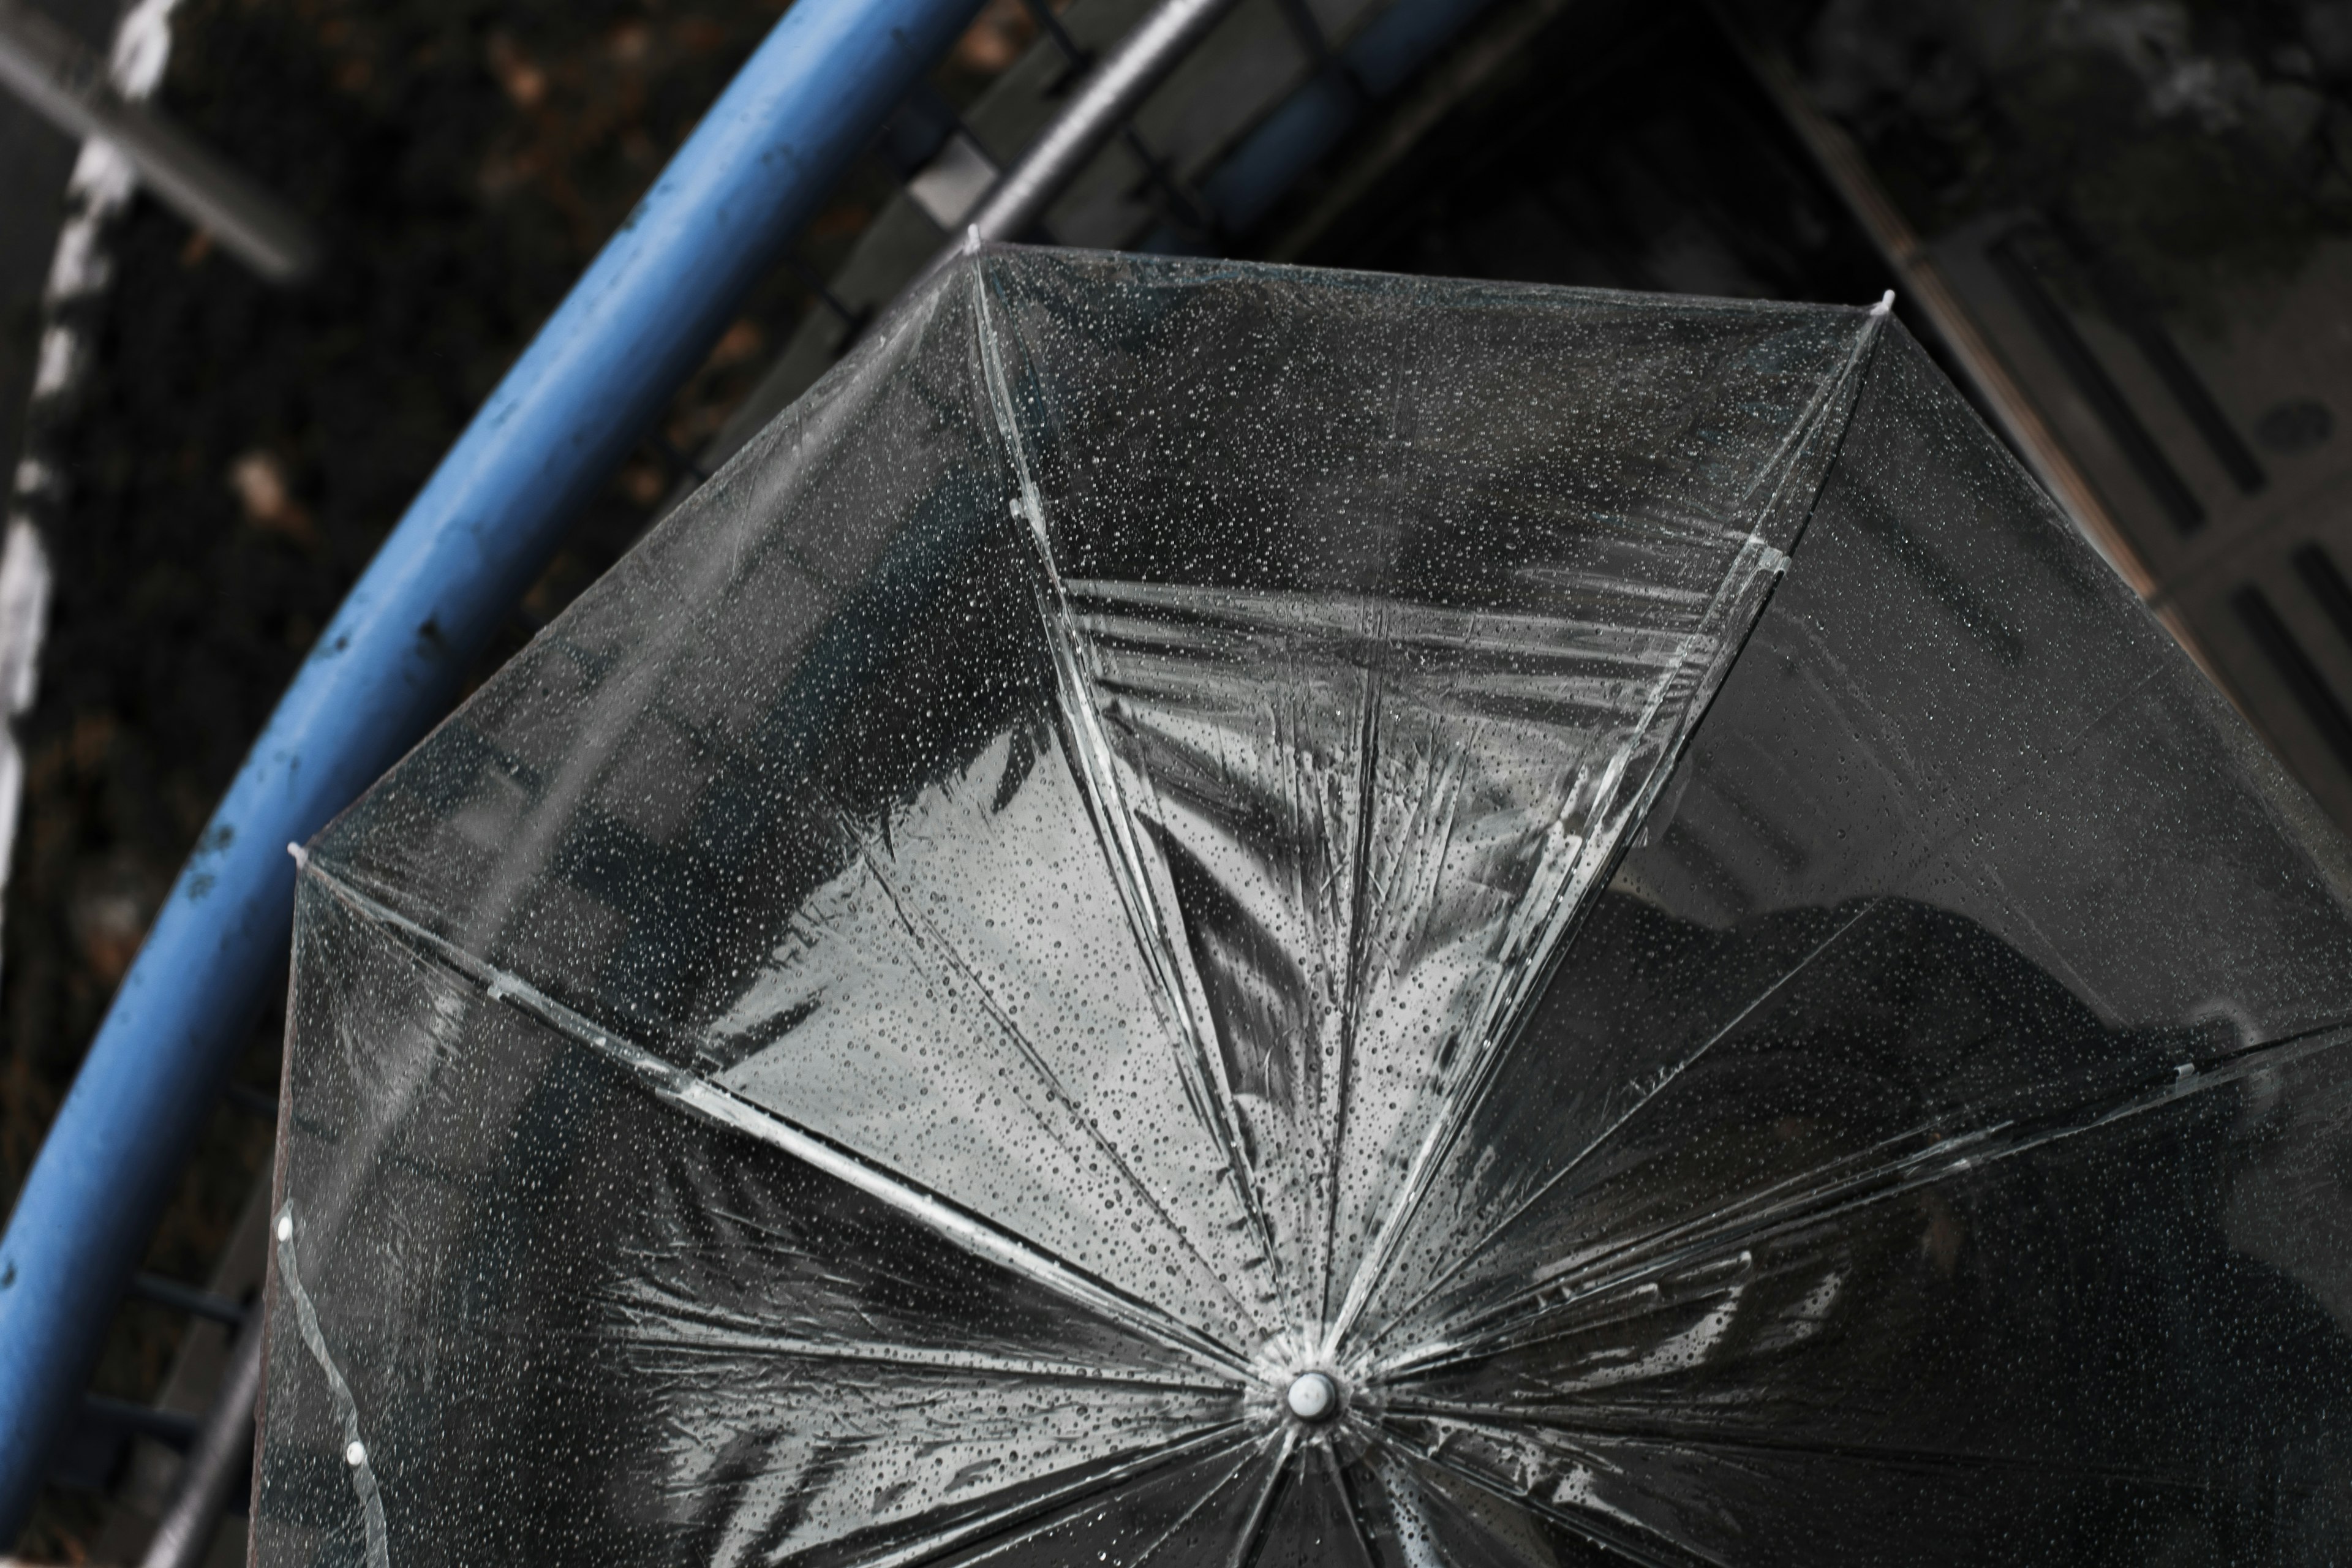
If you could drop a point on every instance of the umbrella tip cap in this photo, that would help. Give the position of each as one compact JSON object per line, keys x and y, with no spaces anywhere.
{"x":1313,"y":1396}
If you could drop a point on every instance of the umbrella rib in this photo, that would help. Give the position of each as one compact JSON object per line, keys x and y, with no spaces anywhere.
{"x":1948,"y":1156}
{"x":691,"y":1092}
{"x":347,"y":1411}
{"x":1352,"y":1503}
{"x":1665,"y":1436}
{"x":1249,"y":1545}
{"x":1553,"y":900}
{"x":1245,"y":1452}
{"x":1096,"y":778}
{"x":807,"y":1350}
{"x":734,"y":1340}
{"x":1360,"y":876}
{"x":919,"y":923}
{"x":672,"y":1307}
{"x":1333,"y":1324}
{"x":1629,"y":1262}
{"x":1507,"y":1003}
{"x":1783,"y":468}
{"x":1240,"y":1466}
{"x":1471,"y":1251}
{"x":1577,"y":1523}
{"x":1139,"y":1462}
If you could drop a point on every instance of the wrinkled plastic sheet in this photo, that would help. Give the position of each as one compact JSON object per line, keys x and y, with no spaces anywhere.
{"x":1602,"y":871}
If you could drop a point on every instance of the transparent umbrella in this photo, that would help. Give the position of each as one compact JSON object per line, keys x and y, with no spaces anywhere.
{"x":1221,"y":914}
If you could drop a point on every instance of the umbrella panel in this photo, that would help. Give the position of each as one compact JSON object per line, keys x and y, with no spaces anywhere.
{"x":627,"y":1292}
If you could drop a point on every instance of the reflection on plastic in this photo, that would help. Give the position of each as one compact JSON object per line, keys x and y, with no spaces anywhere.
{"x":1214,"y":914}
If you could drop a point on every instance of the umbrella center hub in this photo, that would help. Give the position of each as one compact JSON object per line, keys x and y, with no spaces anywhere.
{"x":1313,"y":1396}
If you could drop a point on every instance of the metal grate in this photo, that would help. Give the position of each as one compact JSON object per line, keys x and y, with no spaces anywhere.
{"x":2295,"y":668}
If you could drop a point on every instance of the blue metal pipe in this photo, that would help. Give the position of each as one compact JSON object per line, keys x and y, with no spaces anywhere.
{"x":1304,"y":128}
{"x":634,"y":326}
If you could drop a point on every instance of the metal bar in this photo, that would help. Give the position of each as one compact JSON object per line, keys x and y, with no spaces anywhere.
{"x":916,"y":129}
{"x":219,"y":1462}
{"x":2155,"y":345}
{"x":2013,"y":256}
{"x":1306,"y":127}
{"x":1310,"y":36}
{"x":1180,"y":202}
{"x":172,"y":1428}
{"x":1420,"y":112}
{"x":637,"y":323}
{"x":815,"y":283}
{"x":1050,"y":24}
{"x":65,"y":83}
{"x":2127,"y":304}
{"x":2321,"y":707}
{"x":1096,"y":113}
{"x":2324,"y":583}
{"x":1317,"y":45}
{"x":186,"y":1299}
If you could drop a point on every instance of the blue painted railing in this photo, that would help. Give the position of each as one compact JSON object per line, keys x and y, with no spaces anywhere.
{"x":1316,"y":119}
{"x":637,"y":323}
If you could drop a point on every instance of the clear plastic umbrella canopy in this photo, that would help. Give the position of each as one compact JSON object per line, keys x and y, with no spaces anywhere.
{"x":1209,"y":914}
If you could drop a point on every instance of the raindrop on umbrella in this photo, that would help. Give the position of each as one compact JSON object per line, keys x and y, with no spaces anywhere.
{"x":1218,"y":914}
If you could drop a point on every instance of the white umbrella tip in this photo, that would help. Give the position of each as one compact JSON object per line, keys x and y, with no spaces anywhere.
{"x":1313,"y":1396}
